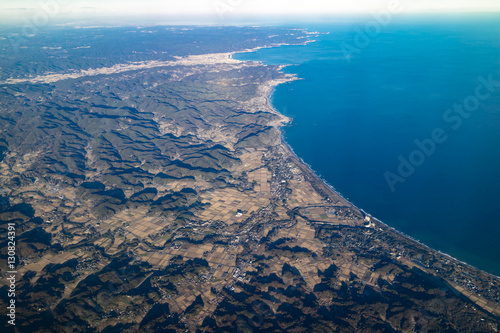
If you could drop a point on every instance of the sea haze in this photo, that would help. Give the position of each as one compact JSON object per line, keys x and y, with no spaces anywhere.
{"x":353,"y":118}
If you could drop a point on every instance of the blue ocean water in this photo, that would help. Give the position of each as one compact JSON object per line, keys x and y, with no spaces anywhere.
{"x":356,"y":118}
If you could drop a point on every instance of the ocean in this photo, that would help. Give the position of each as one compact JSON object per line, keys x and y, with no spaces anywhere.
{"x":402,"y":117}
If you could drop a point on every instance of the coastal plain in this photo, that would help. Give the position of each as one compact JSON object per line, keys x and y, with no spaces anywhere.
{"x":155,"y":193}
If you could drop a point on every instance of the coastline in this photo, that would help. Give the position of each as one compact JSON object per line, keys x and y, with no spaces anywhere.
{"x":331,"y":189}
{"x":328,"y":189}
{"x":301,"y":163}
{"x":184,"y":207}
{"x":315,"y":179}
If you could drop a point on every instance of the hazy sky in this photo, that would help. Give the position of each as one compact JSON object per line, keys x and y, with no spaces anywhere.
{"x":18,"y":10}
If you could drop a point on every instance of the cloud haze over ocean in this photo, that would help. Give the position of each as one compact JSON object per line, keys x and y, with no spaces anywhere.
{"x":16,"y":11}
